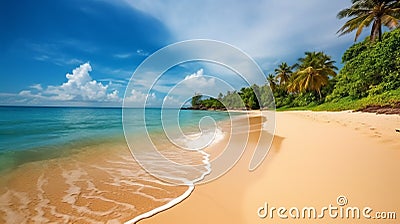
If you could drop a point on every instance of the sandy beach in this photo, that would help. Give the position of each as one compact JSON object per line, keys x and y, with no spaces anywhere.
{"x":315,"y":158}
{"x":154,"y":112}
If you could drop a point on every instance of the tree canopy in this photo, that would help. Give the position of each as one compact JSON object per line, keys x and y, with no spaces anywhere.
{"x":364,"y":12}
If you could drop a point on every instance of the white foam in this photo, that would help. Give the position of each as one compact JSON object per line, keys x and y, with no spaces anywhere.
{"x":209,"y":138}
{"x":163,"y":207}
{"x":197,"y":141}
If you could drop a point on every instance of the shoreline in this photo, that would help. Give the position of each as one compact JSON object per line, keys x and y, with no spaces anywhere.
{"x":222,"y":200}
{"x":210,"y":151}
{"x":99,"y":180}
{"x":162,"y":208}
{"x":356,"y":154}
{"x":101,"y":183}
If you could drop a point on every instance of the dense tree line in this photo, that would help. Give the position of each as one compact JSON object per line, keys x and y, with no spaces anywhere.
{"x":251,"y":98}
{"x":369,"y":68}
{"x":305,"y":82}
{"x":299,"y":87}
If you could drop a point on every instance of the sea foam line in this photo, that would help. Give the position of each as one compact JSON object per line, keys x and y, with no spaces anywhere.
{"x":163,"y":207}
{"x":187,"y":193}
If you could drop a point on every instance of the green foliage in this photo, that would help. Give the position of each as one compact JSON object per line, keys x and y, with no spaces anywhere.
{"x":211,"y":103}
{"x":369,"y":69}
{"x":309,"y":84}
{"x":232,"y":100}
{"x":313,"y":73}
{"x":196,"y":100}
{"x":364,"y":12}
{"x":249,"y":97}
{"x":305,"y":99}
{"x":354,"y":50}
{"x":370,"y":76}
{"x":388,"y":98}
{"x":283,"y":73}
{"x":253,"y":98}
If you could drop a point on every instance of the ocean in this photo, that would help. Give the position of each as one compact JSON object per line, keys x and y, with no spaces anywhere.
{"x":66,"y":164}
{"x":38,"y":133}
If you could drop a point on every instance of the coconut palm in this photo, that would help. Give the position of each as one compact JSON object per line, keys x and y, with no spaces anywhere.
{"x":313,"y":73}
{"x":283,"y":73}
{"x":364,"y":12}
{"x":271,"y":81}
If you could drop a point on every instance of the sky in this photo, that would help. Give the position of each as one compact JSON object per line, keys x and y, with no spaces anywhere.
{"x":84,"y":52}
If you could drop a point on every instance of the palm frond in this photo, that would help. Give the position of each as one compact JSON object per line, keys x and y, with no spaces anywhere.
{"x":363,"y":12}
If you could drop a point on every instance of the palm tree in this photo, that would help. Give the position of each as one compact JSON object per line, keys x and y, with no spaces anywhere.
{"x":283,"y":73}
{"x":271,"y":80}
{"x":313,"y":73}
{"x":364,"y":12}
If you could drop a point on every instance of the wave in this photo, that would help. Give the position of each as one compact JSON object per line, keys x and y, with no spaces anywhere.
{"x":195,"y":142}
{"x":163,"y":207}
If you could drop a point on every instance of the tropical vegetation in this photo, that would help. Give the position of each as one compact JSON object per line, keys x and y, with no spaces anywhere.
{"x":370,"y":75}
{"x":364,"y":12}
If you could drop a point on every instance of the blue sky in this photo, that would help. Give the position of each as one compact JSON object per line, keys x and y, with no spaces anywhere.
{"x":83,"y":52}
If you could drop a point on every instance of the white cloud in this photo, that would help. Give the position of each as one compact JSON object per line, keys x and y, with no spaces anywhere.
{"x":197,"y":74}
{"x":141,"y":52}
{"x":37,"y":87}
{"x":25,"y":93}
{"x":183,"y":90}
{"x":122,"y":56}
{"x":80,"y":86}
{"x":198,"y":80}
{"x":113,"y":96}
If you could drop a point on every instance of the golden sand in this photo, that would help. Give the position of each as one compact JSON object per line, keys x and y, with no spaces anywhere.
{"x":315,"y":158}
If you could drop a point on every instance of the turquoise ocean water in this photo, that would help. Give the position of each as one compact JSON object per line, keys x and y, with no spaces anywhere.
{"x":38,"y":133}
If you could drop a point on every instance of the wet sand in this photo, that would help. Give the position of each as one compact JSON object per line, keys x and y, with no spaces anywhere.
{"x":315,"y":158}
{"x":101,"y":184}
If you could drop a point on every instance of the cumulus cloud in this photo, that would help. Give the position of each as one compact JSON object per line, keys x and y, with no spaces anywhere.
{"x":26,"y":93}
{"x":183,"y":90}
{"x":198,"y":80}
{"x":37,"y":87}
{"x":113,"y":96}
{"x":80,"y":86}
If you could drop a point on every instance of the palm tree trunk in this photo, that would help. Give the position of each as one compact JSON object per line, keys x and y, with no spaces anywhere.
{"x":376,"y":30}
{"x":320,"y":95}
